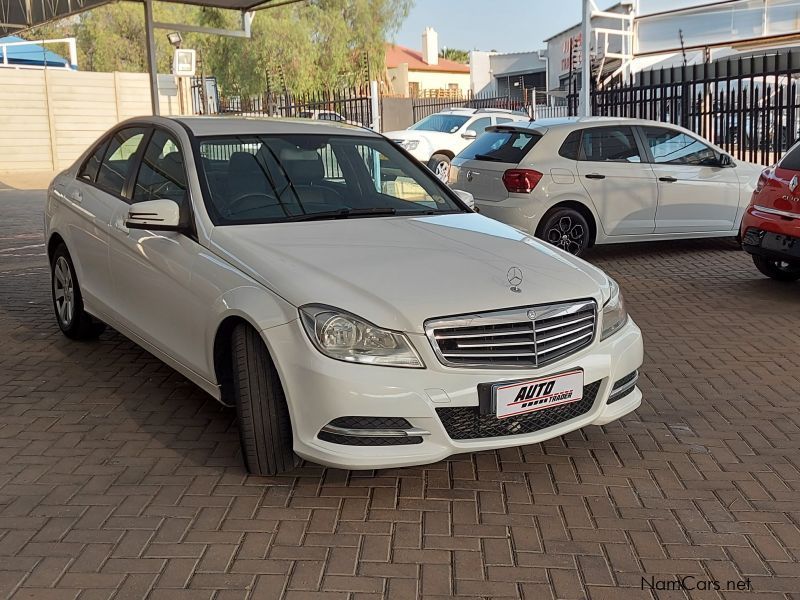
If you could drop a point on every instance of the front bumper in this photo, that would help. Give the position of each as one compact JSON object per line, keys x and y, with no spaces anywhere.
{"x":771,"y":235}
{"x":320,"y":390}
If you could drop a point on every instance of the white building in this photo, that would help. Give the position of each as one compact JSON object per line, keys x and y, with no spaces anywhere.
{"x":690,"y":32}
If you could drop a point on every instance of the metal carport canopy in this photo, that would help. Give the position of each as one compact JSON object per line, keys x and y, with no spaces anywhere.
{"x":18,"y":15}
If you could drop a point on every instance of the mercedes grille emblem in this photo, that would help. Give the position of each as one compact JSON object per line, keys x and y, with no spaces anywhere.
{"x":515,"y":279}
{"x":532,"y":315}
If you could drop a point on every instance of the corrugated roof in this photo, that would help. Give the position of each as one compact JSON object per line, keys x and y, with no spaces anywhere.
{"x":397,"y":55}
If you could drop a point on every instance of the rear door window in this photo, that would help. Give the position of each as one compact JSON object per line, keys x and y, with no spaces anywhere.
{"x":610,"y":144}
{"x":502,"y":146}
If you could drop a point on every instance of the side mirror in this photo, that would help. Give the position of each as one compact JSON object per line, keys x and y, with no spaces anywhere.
{"x":466,"y":198}
{"x":469,"y":134}
{"x":725,"y":160}
{"x":154,"y":215}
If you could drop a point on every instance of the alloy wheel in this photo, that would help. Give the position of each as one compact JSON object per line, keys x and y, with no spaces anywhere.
{"x":442,"y":170}
{"x":567,"y":235}
{"x":64,"y":291}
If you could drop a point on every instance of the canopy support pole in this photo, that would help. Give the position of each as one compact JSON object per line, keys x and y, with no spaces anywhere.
{"x":152,"y":66}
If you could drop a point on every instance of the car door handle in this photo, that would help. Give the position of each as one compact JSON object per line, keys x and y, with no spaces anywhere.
{"x":668,"y":179}
{"x":595,"y":176}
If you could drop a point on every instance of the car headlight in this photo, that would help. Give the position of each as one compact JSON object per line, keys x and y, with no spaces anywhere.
{"x":343,"y":336}
{"x":614,"y":314}
{"x":409,"y":145}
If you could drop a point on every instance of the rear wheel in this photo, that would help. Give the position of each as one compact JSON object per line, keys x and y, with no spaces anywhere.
{"x":72,"y":319}
{"x":567,"y":229}
{"x":440,"y":165}
{"x":265,"y":429}
{"x":780,"y":270}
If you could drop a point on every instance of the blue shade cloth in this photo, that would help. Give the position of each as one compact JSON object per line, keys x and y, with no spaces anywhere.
{"x":30,"y":54}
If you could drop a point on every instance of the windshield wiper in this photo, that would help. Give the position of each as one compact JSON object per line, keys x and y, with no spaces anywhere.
{"x":344,"y":213}
{"x":487,"y":157}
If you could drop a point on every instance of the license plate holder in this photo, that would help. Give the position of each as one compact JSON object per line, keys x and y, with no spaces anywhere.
{"x":522,"y":396}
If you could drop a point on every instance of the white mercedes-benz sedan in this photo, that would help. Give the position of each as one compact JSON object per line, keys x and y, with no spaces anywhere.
{"x":355,"y":311}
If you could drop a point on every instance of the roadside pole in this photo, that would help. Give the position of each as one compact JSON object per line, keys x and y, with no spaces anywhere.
{"x":586,"y":66}
{"x":152,"y":66}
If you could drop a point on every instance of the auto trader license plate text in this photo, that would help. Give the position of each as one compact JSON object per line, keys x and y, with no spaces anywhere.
{"x":537,"y":394}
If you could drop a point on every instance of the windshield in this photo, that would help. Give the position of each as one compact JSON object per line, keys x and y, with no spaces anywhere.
{"x":281,"y":178}
{"x":442,"y":123}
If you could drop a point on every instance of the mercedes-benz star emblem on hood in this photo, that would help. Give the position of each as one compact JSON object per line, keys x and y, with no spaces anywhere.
{"x":515,"y":279}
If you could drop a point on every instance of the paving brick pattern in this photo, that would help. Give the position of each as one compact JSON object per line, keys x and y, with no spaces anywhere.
{"x":118,"y":479}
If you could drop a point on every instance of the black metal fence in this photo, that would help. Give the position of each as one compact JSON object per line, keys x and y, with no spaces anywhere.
{"x":350,"y":105}
{"x":422,"y":107}
{"x":748,"y":105}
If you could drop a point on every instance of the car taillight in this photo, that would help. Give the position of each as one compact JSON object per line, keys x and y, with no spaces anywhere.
{"x":521,"y":181}
{"x":762,"y":180}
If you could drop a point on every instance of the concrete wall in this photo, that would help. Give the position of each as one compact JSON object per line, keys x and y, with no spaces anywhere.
{"x":48,"y":117}
{"x":480,"y":71}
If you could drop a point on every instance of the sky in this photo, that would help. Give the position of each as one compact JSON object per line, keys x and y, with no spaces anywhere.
{"x":502,"y":25}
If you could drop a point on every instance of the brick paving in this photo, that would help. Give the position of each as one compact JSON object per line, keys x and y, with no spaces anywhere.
{"x":118,"y":479}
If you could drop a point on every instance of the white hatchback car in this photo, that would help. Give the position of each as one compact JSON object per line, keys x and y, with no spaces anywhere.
{"x":582,"y":181}
{"x":354,"y":310}
{"x":437,"y":138}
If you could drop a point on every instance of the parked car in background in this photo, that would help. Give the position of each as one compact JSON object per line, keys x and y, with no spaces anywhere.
{"x":771,"y":224}
{"x":326,"y":115}
{"x":581,"y":181}
{"x":437,"y":138}
{"x":352,"y":307}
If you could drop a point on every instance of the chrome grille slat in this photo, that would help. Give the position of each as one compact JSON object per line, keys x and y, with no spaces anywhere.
{"x":493,"y":344}
{"x":540,"y":340}
{"x":542,"y":329}
{"x":565,"y":344}
{"x":455,"y":336}
{"x":511,"y":339}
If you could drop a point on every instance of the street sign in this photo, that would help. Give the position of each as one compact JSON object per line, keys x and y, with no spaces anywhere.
{"x":184,"y":62}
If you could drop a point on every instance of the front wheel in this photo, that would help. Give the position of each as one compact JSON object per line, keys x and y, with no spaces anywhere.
{"x":779,"y":270}
{"x":567,"y":229}
{"x":440,"y":165}
{"x":72,"y":319}
{"x":265,"y":429}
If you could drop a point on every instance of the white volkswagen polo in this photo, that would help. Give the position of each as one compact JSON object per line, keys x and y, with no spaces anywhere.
{"x":354,"y":310}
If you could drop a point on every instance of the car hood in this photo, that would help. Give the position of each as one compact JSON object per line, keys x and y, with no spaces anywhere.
{"x":399,"y":271}
{"x":432,"y":137}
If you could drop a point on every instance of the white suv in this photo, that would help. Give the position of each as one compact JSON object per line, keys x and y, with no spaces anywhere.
{"x":437,"y":138}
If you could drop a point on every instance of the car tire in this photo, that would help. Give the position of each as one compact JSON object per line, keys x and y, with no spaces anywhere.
{"x":72,"y":319}
{"x":776,"y":269}
{"x":265,"y":429}
{"x":567,"y":229}
{"x":440,"y":165}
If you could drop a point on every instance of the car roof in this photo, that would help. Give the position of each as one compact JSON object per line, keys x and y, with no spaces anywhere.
{"x":220,"y":125}
{"x":572,"y":123}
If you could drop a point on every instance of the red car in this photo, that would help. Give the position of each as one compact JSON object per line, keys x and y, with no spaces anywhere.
{"x":771,"y":224}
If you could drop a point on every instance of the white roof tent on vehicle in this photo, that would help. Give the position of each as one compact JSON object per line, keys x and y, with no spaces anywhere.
{"x":18,"y":15}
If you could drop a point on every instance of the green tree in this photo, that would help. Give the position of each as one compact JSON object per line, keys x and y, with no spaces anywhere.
{"x":461,"y":56}
{"x":321,"y":45}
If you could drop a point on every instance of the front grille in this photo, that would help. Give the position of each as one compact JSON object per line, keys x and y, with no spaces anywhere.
{"x":467,"y":423}
{"x":525,"y":337}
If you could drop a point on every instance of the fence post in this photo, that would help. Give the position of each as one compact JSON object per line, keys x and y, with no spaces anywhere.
{"x":51,"y":119}
{"x":374,"y":103}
